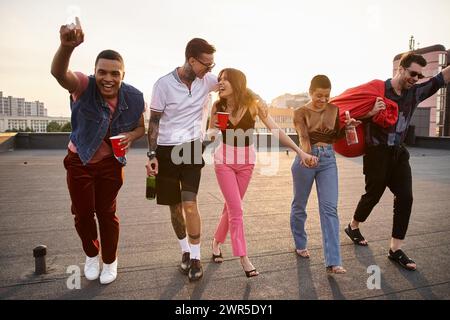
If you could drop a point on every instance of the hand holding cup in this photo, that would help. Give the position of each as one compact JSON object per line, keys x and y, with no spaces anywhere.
{"x":222,"y":120}
{"x":118,"y":149}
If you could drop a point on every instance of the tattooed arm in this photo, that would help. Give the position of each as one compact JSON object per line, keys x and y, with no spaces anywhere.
{"x":152,"y":136}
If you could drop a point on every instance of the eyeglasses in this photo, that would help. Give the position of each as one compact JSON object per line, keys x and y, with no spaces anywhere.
{"x":208,"y":66}
{"x":415,"y":74}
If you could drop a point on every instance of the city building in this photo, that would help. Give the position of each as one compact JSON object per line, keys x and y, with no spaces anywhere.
{"x":18,"y":114}
{"x":288,"y":100}
{"x":282,"y":116}
{"x":282,"y":111}
{"x":12,"y":106}
{"x":37,"y":124}
{"x":432,"y":117}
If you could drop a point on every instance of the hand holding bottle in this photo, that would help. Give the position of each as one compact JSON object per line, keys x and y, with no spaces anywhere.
{"x":350,"y":129}
{"x":71,"y":35}
{"x":150,"y":185}
{"x":351,"y":121}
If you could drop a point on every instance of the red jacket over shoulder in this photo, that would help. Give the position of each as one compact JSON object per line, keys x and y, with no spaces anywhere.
{"x":359,"y":101}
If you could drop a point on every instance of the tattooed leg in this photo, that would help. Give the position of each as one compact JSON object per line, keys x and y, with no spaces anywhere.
{"x":178,"y":223}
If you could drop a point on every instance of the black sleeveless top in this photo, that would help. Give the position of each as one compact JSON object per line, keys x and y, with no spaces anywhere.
{"x":240,"y":135}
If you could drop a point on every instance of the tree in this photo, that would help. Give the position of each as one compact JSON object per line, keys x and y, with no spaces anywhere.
{"x":53,"y":126}
{"x":66,"y":127}
{"x":27,"y":129}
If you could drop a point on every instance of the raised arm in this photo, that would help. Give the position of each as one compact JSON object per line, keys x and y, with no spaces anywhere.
{"x":70,"y":39}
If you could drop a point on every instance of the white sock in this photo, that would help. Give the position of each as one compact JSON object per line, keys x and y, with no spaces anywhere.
{"x":195,"y":251}
{"x":184,"y":244}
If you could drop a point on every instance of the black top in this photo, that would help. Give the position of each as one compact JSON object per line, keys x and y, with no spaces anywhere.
{"x":241,"y":134}
{"x":407,"y":104}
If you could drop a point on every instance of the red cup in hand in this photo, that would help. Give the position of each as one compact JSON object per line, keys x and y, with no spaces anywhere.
{"x":117,"y":148}
{"x":222,"y":119}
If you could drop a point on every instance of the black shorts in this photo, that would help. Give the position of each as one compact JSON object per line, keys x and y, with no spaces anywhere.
{"x":180,"y":172}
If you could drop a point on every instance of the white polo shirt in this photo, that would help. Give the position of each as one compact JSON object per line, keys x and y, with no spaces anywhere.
{"x":184,"y":112}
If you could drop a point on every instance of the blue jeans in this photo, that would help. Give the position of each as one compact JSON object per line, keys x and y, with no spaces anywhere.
{"x":326,"y":177}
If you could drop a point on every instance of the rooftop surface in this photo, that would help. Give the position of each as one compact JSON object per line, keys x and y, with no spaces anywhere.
{"x":35,"y":209}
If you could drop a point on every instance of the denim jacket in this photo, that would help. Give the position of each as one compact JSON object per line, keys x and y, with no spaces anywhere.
{"x":91,"y":114}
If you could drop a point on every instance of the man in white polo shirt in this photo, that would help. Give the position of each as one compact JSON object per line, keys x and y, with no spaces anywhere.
{"x":178,"y":110}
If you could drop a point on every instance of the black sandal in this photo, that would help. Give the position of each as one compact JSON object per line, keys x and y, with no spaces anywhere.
{"x":251,"y":273}
{"x":355,"y":235}
{"x":217,"y":258}
{"x":401,"y":258}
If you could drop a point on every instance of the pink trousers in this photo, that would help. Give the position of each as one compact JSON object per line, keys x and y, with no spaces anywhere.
{"x":234,"y":168}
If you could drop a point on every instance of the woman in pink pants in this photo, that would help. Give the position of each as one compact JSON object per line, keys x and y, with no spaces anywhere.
{"x":235,"y":158}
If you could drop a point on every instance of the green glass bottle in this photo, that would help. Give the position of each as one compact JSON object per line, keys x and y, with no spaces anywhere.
{"x":150,"y":190}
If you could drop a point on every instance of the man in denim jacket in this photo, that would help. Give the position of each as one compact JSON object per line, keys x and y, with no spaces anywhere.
{"x":102,"y":106}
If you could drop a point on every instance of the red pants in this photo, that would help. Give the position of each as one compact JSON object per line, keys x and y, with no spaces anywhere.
{"x":94,"y":188}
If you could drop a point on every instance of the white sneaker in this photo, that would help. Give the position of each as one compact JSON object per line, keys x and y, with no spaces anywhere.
{"x":109,"y":273}
{"x":92,"y":267}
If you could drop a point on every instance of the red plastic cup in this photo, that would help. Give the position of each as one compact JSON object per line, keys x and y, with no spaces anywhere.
{"x":117,"y":149}
{"x":222,"y":118}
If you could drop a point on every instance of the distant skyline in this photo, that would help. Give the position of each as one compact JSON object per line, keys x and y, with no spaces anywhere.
{"x":280,"y":45}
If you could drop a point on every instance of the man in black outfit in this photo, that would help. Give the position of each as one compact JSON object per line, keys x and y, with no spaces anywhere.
{"x":386,"y":161}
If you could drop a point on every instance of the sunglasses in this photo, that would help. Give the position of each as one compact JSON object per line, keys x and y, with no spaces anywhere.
{"x":415,"y":74}
{"x":208,"y":67}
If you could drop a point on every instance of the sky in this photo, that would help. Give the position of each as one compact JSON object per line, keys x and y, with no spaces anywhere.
{"x":280,"y":45}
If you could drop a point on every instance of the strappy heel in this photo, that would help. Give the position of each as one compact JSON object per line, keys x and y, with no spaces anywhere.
{"x":251,"y":273}
{"x":336,"y":269}
{"x":217,"y":258}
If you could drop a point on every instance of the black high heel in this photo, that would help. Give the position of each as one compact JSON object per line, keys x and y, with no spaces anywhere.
{"x":251,"y":273}
{"x":216,"y":258}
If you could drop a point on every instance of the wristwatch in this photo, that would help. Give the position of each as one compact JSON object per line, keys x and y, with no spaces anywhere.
{"x":151,"y":154}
